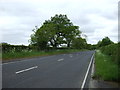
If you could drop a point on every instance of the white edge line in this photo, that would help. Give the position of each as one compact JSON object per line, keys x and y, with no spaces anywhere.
{"x":86,"y":73}
{"x":26,"y":69}
{"x":93,"y":66}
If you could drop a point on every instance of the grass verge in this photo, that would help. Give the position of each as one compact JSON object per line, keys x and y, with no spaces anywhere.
{"x":17,"y":55}
{"x":105,"y":68}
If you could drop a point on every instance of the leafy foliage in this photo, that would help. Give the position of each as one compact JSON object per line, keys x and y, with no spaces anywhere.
{"x":105,"y":41}
{"x":79,"y":43}
{"x":113,"y":51}
{"x":91,"y":47}
{"x":55,"y":32}
{"x":13,"y":48}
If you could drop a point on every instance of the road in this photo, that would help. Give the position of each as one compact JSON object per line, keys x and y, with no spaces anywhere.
{"x":56,"y":71}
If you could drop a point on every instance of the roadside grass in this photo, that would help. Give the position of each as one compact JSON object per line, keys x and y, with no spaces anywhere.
{"x":23,"y":54}
{"x":0,"y":56}
{"x":105,"y":68}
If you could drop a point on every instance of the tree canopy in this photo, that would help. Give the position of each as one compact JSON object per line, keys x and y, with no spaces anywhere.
{"x":105,"y":41}
{"x":55,"y":32}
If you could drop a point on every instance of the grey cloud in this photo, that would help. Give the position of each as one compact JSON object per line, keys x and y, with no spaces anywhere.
{"x":17,"y":38}
{"x":17,"y":9}
{"x":109,"y":15}
{"x":30,"y":14}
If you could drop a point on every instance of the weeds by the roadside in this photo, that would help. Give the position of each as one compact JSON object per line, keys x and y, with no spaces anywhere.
{"x":14,"y":55}
{"x":105,"y":69}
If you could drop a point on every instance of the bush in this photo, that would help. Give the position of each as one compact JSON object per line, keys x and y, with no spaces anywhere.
{"x":113,"y":51}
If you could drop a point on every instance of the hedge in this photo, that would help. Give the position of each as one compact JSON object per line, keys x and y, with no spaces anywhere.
{"x":112,"y":50}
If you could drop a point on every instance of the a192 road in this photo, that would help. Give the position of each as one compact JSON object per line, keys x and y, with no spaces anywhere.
{"x":56,"y":71}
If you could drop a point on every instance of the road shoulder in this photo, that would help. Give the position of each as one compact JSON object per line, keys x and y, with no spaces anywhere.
{"x":95,"y":83}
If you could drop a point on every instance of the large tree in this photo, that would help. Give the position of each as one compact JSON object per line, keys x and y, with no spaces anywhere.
{"x":55,"y":32}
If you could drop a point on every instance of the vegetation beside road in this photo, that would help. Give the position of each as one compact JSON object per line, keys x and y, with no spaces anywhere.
{"x":107,"y":60}
{"x":113,"y":51}
{"x":105,"y":68}
{"x":28,"y":54}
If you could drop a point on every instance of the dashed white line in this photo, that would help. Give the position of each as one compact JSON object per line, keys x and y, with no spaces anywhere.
{"x":60,"y":60}
{"x":26,"y":69}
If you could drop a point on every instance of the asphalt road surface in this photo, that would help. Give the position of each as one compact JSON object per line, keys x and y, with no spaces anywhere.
{"x":57,"y":71}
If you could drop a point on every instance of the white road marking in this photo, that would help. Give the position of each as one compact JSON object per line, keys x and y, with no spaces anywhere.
{"x":60,"y":60}
{"x":93,"y":66}
{"x":26,"y":69}
{"x":70,"y":55}
{"x":87,"y":73}
{"x":10,"y":62}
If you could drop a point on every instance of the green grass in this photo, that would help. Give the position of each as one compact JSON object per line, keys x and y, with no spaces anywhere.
{"x":16,"y":55}
{"x":105,"y":68}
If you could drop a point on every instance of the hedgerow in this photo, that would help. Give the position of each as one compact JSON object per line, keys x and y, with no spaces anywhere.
{"x":113,"y":51}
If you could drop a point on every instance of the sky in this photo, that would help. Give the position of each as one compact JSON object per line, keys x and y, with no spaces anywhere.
{"x":96,"y":18}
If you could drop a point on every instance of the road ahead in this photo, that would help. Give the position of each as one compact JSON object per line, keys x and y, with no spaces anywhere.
{"x":57,"y":71}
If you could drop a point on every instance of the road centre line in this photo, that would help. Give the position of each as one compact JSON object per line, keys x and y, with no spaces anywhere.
{"x":60,"y":60}
{"x":85,"y":78}
{"x":26,"y":69}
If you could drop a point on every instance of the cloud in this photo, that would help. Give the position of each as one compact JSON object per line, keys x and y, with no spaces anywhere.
{"x":96,"y":19}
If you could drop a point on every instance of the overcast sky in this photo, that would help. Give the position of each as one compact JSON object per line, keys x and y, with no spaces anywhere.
{"x":96,"y":18}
